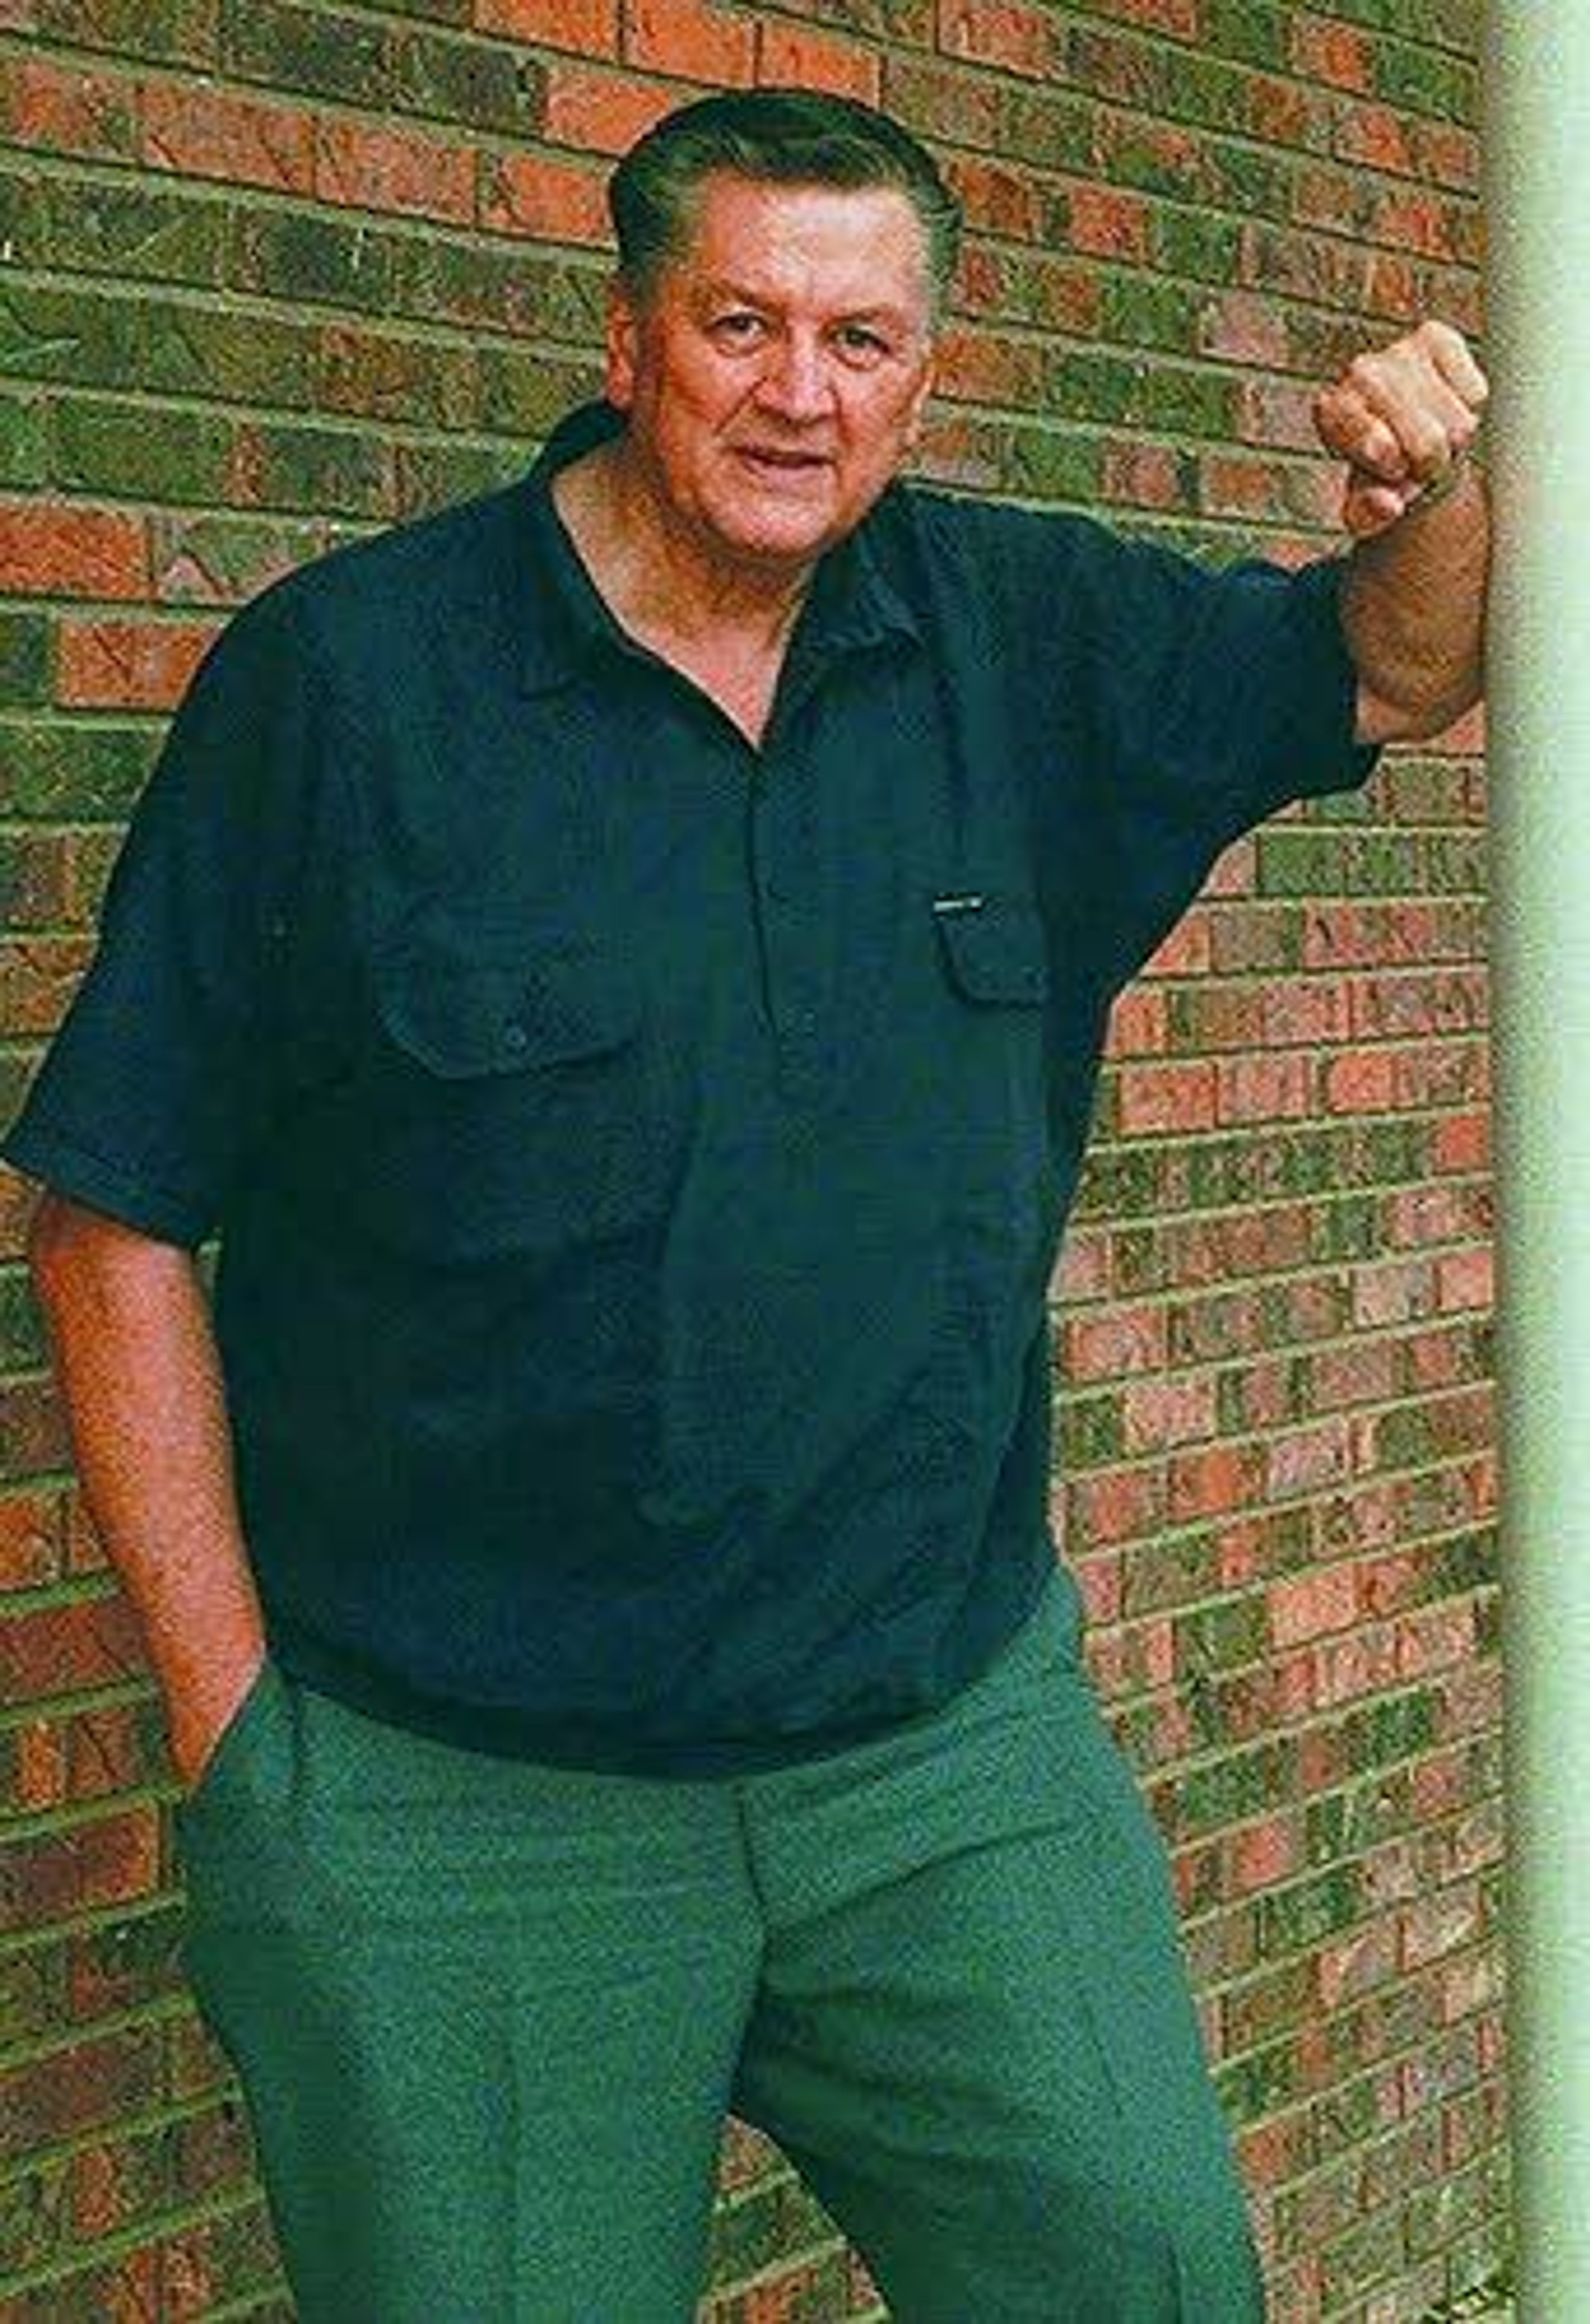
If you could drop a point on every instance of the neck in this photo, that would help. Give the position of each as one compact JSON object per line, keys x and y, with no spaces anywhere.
{"x":655,"y":573}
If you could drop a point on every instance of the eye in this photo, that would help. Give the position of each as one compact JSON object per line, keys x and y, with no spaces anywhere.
{"x":736,"y":327}
{"x":860,"y":345}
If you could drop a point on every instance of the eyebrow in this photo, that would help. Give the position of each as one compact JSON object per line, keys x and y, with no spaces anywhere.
{"x":723,"y":287}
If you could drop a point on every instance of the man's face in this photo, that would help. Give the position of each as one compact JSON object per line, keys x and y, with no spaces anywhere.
{"x":774,"y":379}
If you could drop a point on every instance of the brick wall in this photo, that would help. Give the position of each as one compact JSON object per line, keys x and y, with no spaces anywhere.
{"x":273,"y":273}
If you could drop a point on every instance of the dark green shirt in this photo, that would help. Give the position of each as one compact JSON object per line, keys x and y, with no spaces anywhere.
{"x":639,"y":1158}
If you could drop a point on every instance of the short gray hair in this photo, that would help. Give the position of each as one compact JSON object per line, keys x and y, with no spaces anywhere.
{"x":777,"y":136}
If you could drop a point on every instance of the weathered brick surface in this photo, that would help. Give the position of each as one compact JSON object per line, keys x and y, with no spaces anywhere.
{"x":276,"y":271}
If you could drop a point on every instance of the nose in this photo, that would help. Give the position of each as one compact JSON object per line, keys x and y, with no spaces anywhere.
{"x":795,"y":384}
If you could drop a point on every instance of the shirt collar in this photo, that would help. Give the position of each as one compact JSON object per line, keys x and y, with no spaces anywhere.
{"x":853,"y":606}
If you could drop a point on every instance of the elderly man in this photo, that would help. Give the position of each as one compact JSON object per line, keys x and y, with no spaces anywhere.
{"x":623,"y":964}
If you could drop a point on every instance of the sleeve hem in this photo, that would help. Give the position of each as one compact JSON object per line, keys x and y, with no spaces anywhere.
{"x":1348,"y":763}
{"x":81,"y":1176}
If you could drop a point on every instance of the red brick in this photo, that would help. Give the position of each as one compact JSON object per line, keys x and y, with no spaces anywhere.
{"x":65,"y":550}
{"x":209,"y":132}
{"x":1156,"y":1412}
{"x":1178,"y":18}
{"x":32,"y":1426}
{"x":1313,"y":1605}
{"x":1208,"y":1483}
{"x":998,"y":196}
{"x":1243,"y":327}
{"x":589,"y":26}
{"x":1123,"y":1340}
{"x":1168,"y":1097}
{"x":131,"y":664}
{"x":1265,"y":1088}
{"x":1363,"y":1084}
{"x":1434,"y":1638}
{"x":1466,"y":1279}
{"x":111,"y":1861}
{"x":66,"y":109}
{"x":1143,"y":476}
{"x":392,"y":170}
{"x":38,"y":976}
{"x":601,"y":111}
{"x":31,"y":1539}
{"x":61,"y":1648}
{"x":789,"y":55}
{"x":1337,"y":53}
{"x":61,"y":2096}
{"x":1019,"y":38}
{"x":987,"y":368}
{"x":554,"y":200}
{"x":1107,"y":223}
{"x":1356,"y":1964}
{"x":1121,"y":1505}
{"x":1260,"y":1856}
{"x":703,"y":42}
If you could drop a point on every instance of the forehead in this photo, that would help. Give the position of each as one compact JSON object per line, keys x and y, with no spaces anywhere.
{"x":857,"y":245}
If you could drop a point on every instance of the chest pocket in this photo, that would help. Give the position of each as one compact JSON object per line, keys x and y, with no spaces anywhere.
{"x":993,"y":958}
{"x":516,"y":1103}
{"x":994,"y":949}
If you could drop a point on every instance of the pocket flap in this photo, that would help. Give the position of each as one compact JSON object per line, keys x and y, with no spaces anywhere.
{"x":995,"y":946}
{"x":497,"y":1017}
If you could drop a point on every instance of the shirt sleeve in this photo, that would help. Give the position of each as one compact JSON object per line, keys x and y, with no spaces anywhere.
{"x":1201,"y":700}
{"x":170,"y":1058}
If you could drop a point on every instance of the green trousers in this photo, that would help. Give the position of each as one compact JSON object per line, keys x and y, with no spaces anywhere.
{"x":489,"y":2016}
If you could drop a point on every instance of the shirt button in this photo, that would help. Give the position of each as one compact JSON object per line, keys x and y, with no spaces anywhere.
{"x":516,"y":1038}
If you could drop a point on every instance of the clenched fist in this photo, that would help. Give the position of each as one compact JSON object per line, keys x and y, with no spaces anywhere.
{"x":1400,"y":417}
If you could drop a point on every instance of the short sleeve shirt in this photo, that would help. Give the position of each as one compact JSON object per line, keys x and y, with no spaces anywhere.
{"x":639,"y":1158}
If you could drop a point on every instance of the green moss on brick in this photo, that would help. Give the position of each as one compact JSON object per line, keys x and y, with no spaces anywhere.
{"x":516,"y":289}
{"x":340,"y":471}
{"x":433,"y":475}
{"x":1089,"y":1432}
{"x":1254,"y":31}
{"x":138,"y":451}
{"x":1197,"y":243}
{"x":24,"y":456}
{"x":332,"y":262}
{"x":135,"y":233}
{"x":176,"y":32}
{"x":1353,"y":1228}
{"x":1231,"y":1790}
{"x":451,"y":79}
{"x":1048,"y":464}
{"x":254,"y":358}
{"x":1262,"y":2083}
{"x":75,"y":771}
{"x":1424,"y":81}
{"x":1145,"y":310}
{"x":210,"y":559}
{"x":527,"y":393}
{"x":56,"y":333}
{"x":24,"y":656}
{"x":1392,"y":1729}
{"x":1307,"y":1911}
{"x":324,"y":50}
{"x":1222,"y":1636}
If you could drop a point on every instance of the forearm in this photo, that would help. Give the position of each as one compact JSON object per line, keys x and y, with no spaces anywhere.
{"x":141,"y":1375}
{"x":1413,"y":609}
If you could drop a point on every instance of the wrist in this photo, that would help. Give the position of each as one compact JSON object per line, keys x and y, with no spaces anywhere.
{"x":1441,"y":486}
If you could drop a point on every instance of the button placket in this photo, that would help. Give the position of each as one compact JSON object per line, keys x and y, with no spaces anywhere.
{"x":790,"y":936}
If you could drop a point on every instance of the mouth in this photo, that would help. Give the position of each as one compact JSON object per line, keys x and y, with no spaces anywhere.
{"x":767,"y":461}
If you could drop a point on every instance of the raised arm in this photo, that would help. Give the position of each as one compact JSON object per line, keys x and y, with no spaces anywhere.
{"x":138,"y":1366}
{"x":1403,"y":417}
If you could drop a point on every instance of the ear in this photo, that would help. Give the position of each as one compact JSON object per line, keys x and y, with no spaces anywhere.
{"x":623,"y":337}
{"x":920,"y":400}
